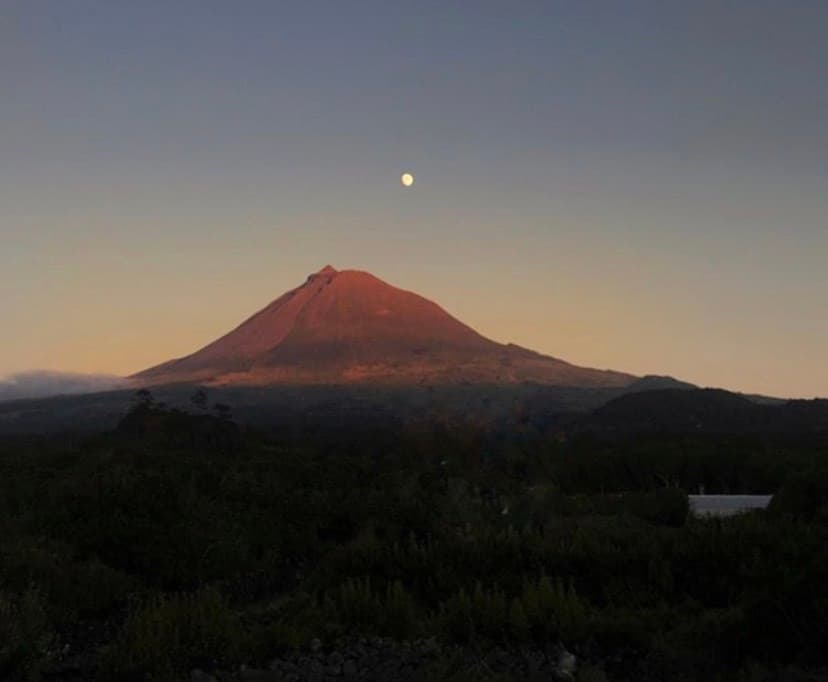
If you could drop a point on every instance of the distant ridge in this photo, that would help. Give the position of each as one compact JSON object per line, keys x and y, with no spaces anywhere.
{"x":708,"y":410}
{"x":41,"y":383}
{"x":655,"y":382}
{"x":351,"y":327}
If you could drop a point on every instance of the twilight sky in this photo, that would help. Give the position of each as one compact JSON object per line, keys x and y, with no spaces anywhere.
{"x":636,"y":185}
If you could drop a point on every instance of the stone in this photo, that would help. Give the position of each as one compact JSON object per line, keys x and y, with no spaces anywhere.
{"x":430,"y":646}
{"x":316,"y":666}
{"x":198,"y":675}
{"x":567,"y":664}
{"x":255,"y":675}
{"x":534,"y":661}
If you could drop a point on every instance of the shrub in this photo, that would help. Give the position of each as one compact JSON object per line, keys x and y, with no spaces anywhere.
{"x":25,"y":636}
{"x":519,"y":628}
{"x":803,"y":495}
{"x":456,"y":618}
{"x":665,"y":506}
{"x":76,"y":588}
{"x":399,"y":613}
{"x":553,"y":610}
{"x":546,"y":611}
{"x":357,"y":607}
{"x":166,"y":634}
{"x":591,"y":673}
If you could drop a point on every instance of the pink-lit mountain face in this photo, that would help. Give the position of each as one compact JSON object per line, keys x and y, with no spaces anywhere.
{"x":351,"y":327}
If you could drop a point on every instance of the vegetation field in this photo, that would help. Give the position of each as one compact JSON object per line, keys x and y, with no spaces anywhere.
{"x":182,"y":541}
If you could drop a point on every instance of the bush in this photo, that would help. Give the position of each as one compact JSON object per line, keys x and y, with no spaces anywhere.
{"x":519,"y":628}
{"x":545,"y":611}
{"x":554,"y":611}
{"x":591,"y":673}
{"x":76,"y":588}
{"x":456,"y":618}
{"x":399,"y":613}
{"x":285,"y":625}
{"x":665,"y":506}
{"x":168,"y":634}
{"x":355,"y":606}
{"x":803,"y":495}
{"x":25,"y":636}
{"x":358,"y":608}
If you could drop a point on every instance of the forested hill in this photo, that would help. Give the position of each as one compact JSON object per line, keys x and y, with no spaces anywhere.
{"x":705,"y":411}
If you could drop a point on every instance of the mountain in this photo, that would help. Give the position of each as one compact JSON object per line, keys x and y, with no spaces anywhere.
{"x":351,"y":327}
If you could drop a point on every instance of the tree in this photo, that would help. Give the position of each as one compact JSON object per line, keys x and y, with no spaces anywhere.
{"x":199,"y":399}
{"x":144,"y":398}
{"x":223,"y":411}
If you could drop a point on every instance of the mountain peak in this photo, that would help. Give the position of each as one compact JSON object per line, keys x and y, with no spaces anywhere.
{"x":328,"y":271}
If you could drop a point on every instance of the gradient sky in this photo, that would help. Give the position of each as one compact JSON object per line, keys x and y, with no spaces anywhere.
{"x":636,"y":185}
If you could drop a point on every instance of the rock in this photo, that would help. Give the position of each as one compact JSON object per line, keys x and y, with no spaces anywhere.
{"x":430,"y":646}
{"x":198,"y":675}
{"x":279,"y":665}
{"x":534,"y":661}
{"x":254,"y":675}
{"x":567,"y":664}
{"x":315,"y":644}
{"x":316,"y":666}
{"x":497,"y":658}
{"x":385,"y":660}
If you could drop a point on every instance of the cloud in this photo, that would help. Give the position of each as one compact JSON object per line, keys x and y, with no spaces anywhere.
{"x":42,"y":383}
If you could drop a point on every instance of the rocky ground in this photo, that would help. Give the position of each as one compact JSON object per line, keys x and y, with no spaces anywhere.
{"x":384,"y":660}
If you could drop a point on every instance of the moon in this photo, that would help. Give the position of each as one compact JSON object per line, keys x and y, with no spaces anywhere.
{"x":407,"y":179}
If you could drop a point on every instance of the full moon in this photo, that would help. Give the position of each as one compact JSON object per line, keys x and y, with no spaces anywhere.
{"x":407,"y":179}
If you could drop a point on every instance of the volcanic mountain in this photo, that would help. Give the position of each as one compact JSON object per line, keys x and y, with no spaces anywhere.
{"x":348,"y":327}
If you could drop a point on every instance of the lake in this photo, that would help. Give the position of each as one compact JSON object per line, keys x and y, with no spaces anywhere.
{"x":726,"y":505}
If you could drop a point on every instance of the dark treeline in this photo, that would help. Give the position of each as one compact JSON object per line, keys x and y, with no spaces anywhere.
{"x":181,"y":541}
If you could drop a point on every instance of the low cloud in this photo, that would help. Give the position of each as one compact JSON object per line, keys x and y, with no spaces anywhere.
{"x":43,"y":383}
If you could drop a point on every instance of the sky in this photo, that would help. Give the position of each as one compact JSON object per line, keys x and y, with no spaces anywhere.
{"x":640,"y":186}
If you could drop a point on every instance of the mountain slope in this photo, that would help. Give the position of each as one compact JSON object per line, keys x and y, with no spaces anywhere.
{"x":349,"y":326}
